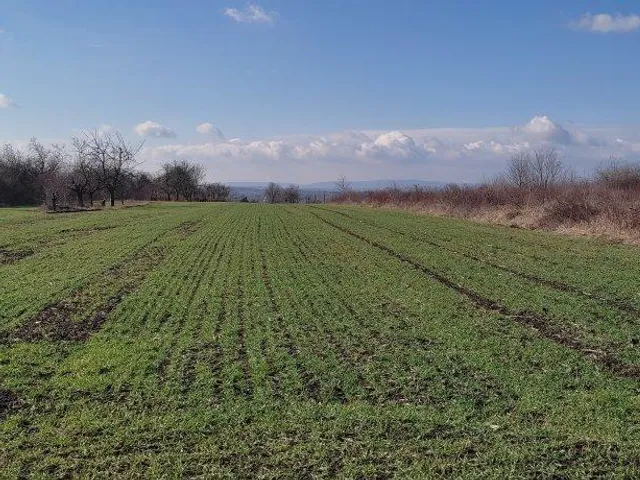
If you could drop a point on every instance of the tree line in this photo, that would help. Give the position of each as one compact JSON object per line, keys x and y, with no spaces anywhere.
{"x":96,"y":167}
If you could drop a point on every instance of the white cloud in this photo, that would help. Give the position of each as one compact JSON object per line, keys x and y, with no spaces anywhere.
{"x":153,"y":129}
{"x":607,"y":23}
{"x":394,"y":144}
{"x":451,"y":154}
{"x":211,"y":131}
{"x":252,"y":13}
{"x":541,"y":129}
{"x":545,"y":129}
{"x":6,"y":102}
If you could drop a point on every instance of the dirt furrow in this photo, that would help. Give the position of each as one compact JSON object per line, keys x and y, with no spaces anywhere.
{"x":539,"y":323}
{"x":553,"y":284}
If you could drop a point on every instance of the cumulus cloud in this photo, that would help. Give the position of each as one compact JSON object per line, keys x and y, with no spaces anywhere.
{"x":545,"y":129}
{"x":607,"y":23}
{"x":6,"y":102}
{"x":451,"y":154}
{"x":541,"y":129}
{"x":252,"y":13}
{"x":153,"y":129}
{"x":210,"y":130}
{"x":394,"y":144}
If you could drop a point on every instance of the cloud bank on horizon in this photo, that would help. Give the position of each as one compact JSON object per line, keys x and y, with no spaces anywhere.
{"x":447,"y":154}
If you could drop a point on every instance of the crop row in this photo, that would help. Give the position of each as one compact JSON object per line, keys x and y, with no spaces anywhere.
{"x":583,"y":322}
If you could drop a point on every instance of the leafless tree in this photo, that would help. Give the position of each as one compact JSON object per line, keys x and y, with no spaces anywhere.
{"x":191,"y":179}
{"x":342,"y":185}
{"x":164,"y":184}
{"x":49,"y":165}
{"x":113,"y":158}
{"x":83,"y":176}
{"x":181,"y":178}
{"x":216,"y":192}
{"x":520,"y":170}
{"x":619,"y":174}
{"x":547,"y":168}
{"x":273,"y":193}
{"x":291,"y":194}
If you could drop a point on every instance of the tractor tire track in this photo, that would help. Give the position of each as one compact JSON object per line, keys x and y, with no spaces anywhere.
{"x":553,"y":284}
{"x":542,"y":325}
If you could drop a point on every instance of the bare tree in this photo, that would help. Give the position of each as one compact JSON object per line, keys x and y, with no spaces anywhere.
{"x":619,"y":174}
{"x":49,"y":167}
{"x":216,"y":192}
{"x":520,"y":170}
{"x":114,"y":158}
{"x":82,"y":175}
{"x":547,"y":168}
{"x":193,"y":175}
{"x":342,"y":185}
{"x":291,"y":194}
{"x":163,"y":183}
{"x":97,"y":163}
{"x":181,"y":178}
{"x":273,"y":193}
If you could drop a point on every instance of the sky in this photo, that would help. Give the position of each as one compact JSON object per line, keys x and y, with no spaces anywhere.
{"x":303,"y":91}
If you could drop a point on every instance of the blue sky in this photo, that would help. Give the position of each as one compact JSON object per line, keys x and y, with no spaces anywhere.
{"x":307,"y":90}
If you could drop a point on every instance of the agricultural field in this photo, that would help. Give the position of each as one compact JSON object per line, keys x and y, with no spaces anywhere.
{"x":277,"y":341}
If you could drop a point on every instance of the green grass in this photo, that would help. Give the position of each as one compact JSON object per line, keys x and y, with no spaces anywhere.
{"x":231,"y":340}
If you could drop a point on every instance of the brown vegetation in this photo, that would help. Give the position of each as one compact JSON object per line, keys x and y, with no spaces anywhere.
{"x":535,"y":191}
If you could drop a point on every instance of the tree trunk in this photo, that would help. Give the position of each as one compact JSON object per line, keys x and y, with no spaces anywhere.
{"x":91,"y":198}
{"x":80,"y":199}
{"x":112,"y":197}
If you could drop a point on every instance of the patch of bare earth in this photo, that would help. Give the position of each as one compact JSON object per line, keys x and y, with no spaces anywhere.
{"x":8,"y":402}
{"x":55,"y":322}
{"x":76,"y":317}
{"x":11,"y":256}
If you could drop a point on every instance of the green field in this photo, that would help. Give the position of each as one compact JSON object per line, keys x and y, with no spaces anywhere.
{"x":238,"y":340}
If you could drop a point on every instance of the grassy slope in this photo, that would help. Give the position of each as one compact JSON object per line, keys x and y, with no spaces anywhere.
{"x":284,"y":341}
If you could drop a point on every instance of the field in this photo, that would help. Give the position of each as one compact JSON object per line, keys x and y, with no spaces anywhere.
{"x":237,"y":340}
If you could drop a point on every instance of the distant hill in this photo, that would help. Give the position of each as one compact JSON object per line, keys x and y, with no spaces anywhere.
{"x":252,"y":187}
{"x":375,"y":184}
{"x":255,"y":192}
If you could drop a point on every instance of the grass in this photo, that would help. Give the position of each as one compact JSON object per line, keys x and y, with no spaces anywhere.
{"x":271,"y":341}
